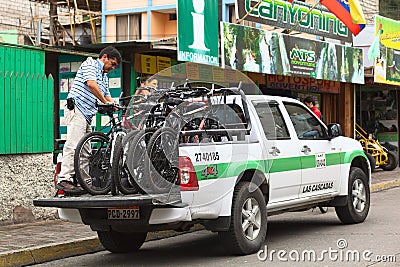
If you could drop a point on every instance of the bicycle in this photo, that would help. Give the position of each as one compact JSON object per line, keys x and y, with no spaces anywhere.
{"x":121,"y":175}
{"x":93,"y":154}
{"x":190,"y":122}
{"x":131,"y":155}
{"x":180,"y":121}
{"x":134,"y":144}
{"x":147,"y":112}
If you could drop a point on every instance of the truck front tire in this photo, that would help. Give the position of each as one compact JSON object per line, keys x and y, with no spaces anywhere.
{"x":358,"y":198}
{"x":248,"y":227}
{"x":117,"y":242}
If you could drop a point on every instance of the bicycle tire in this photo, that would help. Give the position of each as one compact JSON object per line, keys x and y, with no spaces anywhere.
{"x":120,"y":173}
{"x":161,"y":165}
{"x":136,"y":156}
{"x":128,"y":137}
{"x":114,"y":165}
{"x":97,"y":180}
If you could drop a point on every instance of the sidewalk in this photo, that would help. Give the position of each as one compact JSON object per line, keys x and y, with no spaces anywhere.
{"x":32,"y":243}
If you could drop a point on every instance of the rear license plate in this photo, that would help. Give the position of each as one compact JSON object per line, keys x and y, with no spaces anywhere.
{"x":125,"y":213}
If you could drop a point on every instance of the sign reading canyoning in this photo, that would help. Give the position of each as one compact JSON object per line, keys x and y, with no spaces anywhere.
{"x":283,"y":14}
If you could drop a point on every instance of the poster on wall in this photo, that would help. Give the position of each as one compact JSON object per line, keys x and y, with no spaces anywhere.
{"x":256,"y":50}
{"x":198,"y":31}
{"x":385,"y":51}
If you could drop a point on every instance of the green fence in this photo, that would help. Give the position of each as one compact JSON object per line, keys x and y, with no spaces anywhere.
{"x":21,"y":60}
{"x":26,"y":119}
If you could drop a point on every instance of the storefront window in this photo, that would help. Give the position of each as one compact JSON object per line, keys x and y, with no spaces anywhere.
{"x":377,"y":114}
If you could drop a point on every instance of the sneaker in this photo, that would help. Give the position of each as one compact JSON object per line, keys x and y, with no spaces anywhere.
{"x":69,"y":188}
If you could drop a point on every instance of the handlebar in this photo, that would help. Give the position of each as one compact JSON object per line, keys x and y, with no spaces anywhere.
{"x":109,"y":108}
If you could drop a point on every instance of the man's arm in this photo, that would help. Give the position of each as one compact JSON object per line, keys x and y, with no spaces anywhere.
{"x":109,"y":99}
{"x":95,"y":89}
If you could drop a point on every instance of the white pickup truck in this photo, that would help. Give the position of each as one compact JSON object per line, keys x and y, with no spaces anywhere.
{"x":284,"y":159}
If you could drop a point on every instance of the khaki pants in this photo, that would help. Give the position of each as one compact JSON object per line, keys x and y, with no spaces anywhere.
{"x":77,"y":127}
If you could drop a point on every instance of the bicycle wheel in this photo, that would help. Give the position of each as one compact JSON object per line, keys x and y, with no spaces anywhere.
{"x":114,"y":165}
{"x":128,"y":138}
{"x":92,"y":163}
{"x":120,"y":173}
{"x":136,"y":156}
{"x":162,"y":162}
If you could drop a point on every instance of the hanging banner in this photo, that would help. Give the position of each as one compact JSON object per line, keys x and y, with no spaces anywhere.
{"x":387,"y":55}
{"x":255,"y":50}
{"x":198,"y":31}
{"x":283,"y":14}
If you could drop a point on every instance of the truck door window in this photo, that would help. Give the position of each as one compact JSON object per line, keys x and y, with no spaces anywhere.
{"x":272,"y":121}
{"x":305,"y":124}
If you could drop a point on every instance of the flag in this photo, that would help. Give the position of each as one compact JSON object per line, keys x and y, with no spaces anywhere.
{"x":345,"y":10}
{"x":374,"y":50}
{"x":356,"y":12}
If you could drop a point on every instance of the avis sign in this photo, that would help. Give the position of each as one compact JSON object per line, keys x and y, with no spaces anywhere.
{"x":198,"y":31}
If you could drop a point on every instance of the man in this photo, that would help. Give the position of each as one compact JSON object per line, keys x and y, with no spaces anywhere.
{"x":310,"y":103}
{"x":90,"y":87}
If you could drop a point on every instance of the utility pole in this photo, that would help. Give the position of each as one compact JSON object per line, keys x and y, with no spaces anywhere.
{"x":53,"y":38}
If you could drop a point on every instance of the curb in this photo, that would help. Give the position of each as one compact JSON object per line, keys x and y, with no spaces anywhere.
{"x":59,"y":250}
{"x":50,"y":252}
{"x":384,"y":185}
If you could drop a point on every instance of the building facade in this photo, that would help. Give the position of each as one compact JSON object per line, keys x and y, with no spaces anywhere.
{"x":23,"y":21}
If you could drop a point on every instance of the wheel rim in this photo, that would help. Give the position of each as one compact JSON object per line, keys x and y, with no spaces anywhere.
{"x":359,"y":195}
{"x":99,"y":179}
{"x":251,"y":218}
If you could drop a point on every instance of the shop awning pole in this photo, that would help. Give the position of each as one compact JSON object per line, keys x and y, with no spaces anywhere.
{"x":251,"y":10}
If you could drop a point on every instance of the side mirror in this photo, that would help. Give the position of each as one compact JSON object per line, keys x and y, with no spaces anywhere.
{"x":334,"y":130}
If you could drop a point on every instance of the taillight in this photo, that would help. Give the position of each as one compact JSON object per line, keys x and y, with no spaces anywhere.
{"x":187,"y":175}
{"x":57,"y":172}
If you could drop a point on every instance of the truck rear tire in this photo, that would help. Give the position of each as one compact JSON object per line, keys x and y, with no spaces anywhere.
{"x":248,"y":227}
{"x":358,"y":198}
{"x":117,"y":242}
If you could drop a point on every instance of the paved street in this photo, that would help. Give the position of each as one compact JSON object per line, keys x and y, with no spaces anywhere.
{"x":293,"y":234}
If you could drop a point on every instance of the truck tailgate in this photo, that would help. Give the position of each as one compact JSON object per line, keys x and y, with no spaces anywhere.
{"x":108,"y":201}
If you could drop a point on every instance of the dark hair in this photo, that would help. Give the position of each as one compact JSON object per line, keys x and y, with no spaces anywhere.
{"x":111,"y":52}
{"x":309,"y":99}
{"x":144,"y":78}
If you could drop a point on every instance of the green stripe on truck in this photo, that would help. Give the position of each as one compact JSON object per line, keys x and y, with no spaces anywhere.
{"x":234,"y":169}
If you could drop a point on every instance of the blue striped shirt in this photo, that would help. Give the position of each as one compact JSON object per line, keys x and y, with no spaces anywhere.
{"x":85,"y":101}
